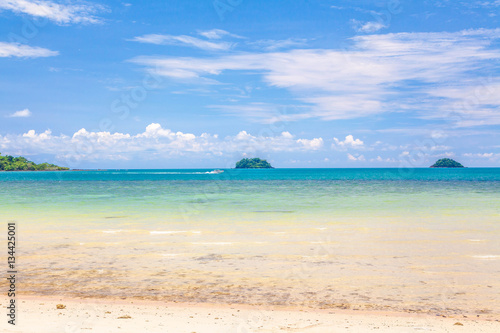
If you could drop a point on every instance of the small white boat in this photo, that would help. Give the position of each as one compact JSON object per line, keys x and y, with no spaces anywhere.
{"x":217,"y":171}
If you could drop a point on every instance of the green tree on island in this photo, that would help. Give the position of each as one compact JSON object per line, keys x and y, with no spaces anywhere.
{"x":253,"y":163}
{"x":10,"y":163}
{"x":446,"y":163}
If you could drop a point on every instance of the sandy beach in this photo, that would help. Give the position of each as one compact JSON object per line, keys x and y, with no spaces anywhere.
{"x":41,"y":315}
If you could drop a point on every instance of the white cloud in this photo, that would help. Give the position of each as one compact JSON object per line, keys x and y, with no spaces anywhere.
{"x":24,"y":51}
{"x":367,"y":27}
{"x":367,"y":79}
{"x":481,"y":155}
{"x":21,"y":114}
{"x":386,"y":160}
{"x":273,"y":45}
{"x":283,"y":142}
{"x":482,"y":3}
{"x":217,"y":34}
{"x":183,"y":40}
{"x":31,"y":134}
{"x":59,"y":13}
{"x":261,"y":112}
{"x":439,"y":148}
{"x":154,"y":142}
{"x":313,"y":144}
{"x":472,"y":104}
{"x":359,"y":158}
{"x":349,"y":142}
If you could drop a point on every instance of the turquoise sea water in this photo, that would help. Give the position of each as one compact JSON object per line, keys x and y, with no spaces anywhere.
{"x":423,"y":174}
{"x":374,"y":238}
{"x":145,"y":196}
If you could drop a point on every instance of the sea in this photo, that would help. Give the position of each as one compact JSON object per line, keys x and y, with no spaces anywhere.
{"x":419,"y":240}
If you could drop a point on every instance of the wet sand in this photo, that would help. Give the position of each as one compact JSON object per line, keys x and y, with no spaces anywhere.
{"x":372,"y":265}
{"x":41,"y":315}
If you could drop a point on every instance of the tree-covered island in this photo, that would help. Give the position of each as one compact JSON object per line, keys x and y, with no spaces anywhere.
{"x":446,"y":163}
{"x":11,"y":163}
{"x":253,"y":163}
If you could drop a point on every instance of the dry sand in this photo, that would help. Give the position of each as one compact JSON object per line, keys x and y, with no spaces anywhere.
{"x":41,"y":315}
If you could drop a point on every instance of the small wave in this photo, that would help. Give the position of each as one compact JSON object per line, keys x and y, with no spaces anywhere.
{"x":171,"y":232}
{"x":273,"y":211}
{"x":487,"y":257}
{"x":212,"y":243}
{"x":165,"y":173}
{"x":113,"y":231}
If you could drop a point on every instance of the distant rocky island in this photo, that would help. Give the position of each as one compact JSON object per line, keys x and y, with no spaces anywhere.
{"x":446,"y":163}
{"x":253,"y":163}
{"x":10,"y":163}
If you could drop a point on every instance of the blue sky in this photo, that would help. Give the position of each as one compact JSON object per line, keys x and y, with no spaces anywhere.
{"x":180,"y":84}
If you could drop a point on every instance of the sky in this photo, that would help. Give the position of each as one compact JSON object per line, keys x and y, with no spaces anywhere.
{"x":202,"y":84}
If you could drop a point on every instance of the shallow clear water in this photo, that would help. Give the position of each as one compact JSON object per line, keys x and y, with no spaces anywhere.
{"x":419,"y":239}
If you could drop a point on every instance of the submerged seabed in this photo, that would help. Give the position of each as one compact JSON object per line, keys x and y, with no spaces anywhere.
{"x":425,"y":240}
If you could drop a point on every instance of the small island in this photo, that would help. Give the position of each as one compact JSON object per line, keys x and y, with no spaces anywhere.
{"x":253,"y":163}
{"x":446,"y":163}
{"x":10,"y":163}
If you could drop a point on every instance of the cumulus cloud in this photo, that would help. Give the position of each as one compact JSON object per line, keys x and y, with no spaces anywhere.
{"x":57,"y":12}
{"x":359,"y":158}
{"x":24,"y":51}
{"x":21,"y":114}
{"x":154,"y":142}
{"x":349,"y":142}
{"x":283,"y":142}
{"x":386,"y":160}
{"x":313,"y":144}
